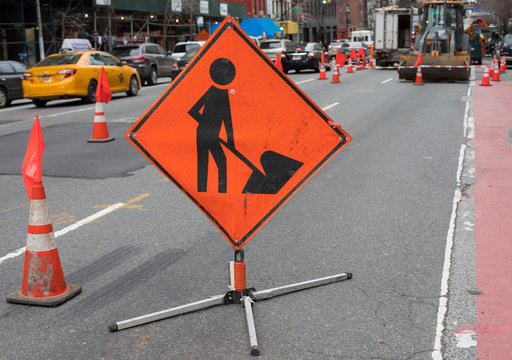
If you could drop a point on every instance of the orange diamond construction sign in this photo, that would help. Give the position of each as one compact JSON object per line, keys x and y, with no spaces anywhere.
{"x":236,"y":135}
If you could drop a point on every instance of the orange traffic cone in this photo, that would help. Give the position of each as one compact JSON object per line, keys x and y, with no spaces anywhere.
{"x":323,"y":75}
{"x":349,"y":68}
{"x":358,"y":64}
{"x":278,"y":62}
{"x":496,"y":73}
{"x":264,"y":37}
{"x":335,"y":75}
{"x":485,"y":79}
{"x":43,"y":281}
{"x":100,"y":130}
{"x":491,"y":69}
{"x":419,"y":77}
{"x":503,"y":65}
{"x":370,"y":63}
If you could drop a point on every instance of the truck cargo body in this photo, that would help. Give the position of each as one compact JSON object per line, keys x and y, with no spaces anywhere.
{"x":393,"y":28}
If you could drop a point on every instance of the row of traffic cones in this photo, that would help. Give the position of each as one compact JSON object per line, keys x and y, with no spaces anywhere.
{"x":350,"y":70}
{"x":494,"y":71}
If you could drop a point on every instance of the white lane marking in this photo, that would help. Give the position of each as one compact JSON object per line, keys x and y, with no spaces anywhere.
{"x":465,"y":339}
{"x":386,"y":81}
{"x":330,"y":106}
{"x":443,"y":299}
{"x":67,"y":112}
{"x":304,"y":81}
{"x":69,"y":228}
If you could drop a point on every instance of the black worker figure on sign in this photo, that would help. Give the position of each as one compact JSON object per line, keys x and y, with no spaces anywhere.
{"x":215,"y":111}
{"x":211,"y":111}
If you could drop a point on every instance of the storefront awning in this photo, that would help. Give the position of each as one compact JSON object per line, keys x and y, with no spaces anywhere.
{"x":256,"y":26}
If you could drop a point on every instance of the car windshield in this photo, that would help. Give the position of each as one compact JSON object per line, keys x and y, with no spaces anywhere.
{"x":508,"y":39}
{"x":353,"y":44}
{"x":125,"y":51}
{"x":435,"y":15}
{"x":270,"y":45}
{"x":183,"y":48}
{"x":190,"y":54}
{"x":59,"y":60}
{"x":298,"y":47}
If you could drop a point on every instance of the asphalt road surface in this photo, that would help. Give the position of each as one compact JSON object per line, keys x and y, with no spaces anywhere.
{"x":381,"y":209}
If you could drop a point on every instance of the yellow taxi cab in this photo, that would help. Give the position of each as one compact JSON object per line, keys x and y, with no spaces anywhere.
{"x":71,"y":75}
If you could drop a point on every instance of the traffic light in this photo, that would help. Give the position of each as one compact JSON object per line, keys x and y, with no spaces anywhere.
{"x":324,"y":2}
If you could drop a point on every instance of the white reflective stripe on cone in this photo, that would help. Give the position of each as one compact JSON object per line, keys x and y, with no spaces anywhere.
{"x":41,"y":242}
{"x":39,"y":214}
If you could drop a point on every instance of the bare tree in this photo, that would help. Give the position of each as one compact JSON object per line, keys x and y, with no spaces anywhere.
{"x":502,"y":10}
{"x":67,"y":17}
{"x":188,"y":9}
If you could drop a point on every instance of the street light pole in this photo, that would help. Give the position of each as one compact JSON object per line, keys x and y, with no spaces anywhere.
{"x":40,"y":26}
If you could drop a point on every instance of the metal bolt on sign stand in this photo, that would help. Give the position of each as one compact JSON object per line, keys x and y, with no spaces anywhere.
{"x":238,"y":294}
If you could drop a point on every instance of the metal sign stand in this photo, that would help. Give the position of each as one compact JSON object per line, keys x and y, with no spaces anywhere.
{"x":238,"y":294}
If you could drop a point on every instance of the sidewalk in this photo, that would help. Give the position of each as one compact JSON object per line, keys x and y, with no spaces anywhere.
{"x":493,"y":218}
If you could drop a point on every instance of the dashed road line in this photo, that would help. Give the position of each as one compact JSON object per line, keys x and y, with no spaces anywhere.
{"x":330,"y":106}
{"x":304,"y":81}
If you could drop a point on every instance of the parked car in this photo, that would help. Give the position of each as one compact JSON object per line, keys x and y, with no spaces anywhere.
{"x":11,"y":73}
{"x":185,"y":59}
{"x":334,"y":46}
{"x":150,"y":60}
{"x":182,"y":47}
{"x":71,"y":75}
{"x":273,"y":47}
{"x":346,"y":48}
{"x":302,"y":56}
{"x":506,"y":49}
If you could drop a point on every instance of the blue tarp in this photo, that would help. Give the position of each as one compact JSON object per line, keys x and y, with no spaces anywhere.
{"x":256,"y":26}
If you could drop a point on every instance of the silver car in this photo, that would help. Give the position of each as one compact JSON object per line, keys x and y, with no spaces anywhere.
{"x":273,"y":47}
{"x":335,"y":45}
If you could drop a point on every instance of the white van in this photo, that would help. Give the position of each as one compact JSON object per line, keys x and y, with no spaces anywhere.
{"x":365,"y":36}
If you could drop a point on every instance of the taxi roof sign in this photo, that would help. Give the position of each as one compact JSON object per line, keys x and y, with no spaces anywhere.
{"x":235,"y":134}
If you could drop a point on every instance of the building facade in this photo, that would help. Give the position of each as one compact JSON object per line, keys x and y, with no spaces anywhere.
{"x":352,"y":15}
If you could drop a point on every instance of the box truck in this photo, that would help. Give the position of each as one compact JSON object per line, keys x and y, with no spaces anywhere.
{"x":394,"y":31}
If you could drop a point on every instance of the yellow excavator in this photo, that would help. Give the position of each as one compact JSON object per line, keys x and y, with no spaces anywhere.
{"x":442,"y":42}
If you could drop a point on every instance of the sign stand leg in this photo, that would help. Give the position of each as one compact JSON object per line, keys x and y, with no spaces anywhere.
{"x":238,"y":294}
{"x":255,"y":349}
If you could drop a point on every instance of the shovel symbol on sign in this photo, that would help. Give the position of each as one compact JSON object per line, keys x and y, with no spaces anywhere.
{"x":216,"y":111}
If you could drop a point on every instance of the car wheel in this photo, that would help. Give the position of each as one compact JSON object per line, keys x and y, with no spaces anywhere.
{"x":39,"y":103}
{"x":317,"y":67}
{"x":153,"y":76}
{"x":91,"y":93}
{"x":3,"y":98}
{"x":134,"y":87}
{"x":285,"y":71}
{"x":297,"y":71}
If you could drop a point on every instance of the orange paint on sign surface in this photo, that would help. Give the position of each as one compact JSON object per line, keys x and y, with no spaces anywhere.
{"x":236,"y":135}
